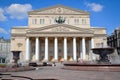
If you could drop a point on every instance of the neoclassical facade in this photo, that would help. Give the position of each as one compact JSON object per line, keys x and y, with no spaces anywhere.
{"x":57,"y":33}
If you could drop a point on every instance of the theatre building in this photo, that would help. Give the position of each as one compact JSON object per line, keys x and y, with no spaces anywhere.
{"x":57,"y":33}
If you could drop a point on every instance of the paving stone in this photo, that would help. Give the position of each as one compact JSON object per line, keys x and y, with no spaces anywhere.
{"x":56,"y":72}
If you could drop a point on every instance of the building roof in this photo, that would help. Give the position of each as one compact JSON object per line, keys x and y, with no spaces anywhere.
{"x":61,"y":8}
{"x":4,"y":40}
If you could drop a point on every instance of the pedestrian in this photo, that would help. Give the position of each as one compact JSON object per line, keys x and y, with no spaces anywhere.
{"x":54,"y":64}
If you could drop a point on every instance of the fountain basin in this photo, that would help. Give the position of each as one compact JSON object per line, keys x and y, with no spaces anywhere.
{"x":91,"y":67}
{"x":103,"y":50}
{"x":103,"y":64}
{"x":103,"y":54}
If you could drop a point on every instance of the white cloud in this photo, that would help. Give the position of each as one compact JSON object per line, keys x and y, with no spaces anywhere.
{"x":2,"y":16}
{"x":95,"y":7}
{"x":18,"y":11}
{"x":3,"y":31}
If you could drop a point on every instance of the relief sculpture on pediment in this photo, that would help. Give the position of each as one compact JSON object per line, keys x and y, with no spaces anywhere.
{"x":60,"y":29}
{"x":59,"y":11}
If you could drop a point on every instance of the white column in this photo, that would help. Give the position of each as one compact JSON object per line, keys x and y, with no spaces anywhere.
{"x":37,"y":56}
{"x":27,"y":49}
{"x":92,"y":43}
{"x":56,"y":48}
{"x":91,"y":54}
{"x":46,"y":48}
{"x":65,"y":48}
{"x":74,"y":49}
{"x":83,"y":49}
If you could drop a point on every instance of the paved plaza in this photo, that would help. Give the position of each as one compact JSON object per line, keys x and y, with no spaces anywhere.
{"x":56,"y":72}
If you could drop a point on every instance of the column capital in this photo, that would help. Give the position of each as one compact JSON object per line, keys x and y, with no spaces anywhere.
{"x":37,"y":37}
{"x":74,"y":37}
{"x":92,"y":38}
{"x":27,"y":38}
{"x":56,"y":37}
{"x":83,"y":37}
{"x":65,"y":37}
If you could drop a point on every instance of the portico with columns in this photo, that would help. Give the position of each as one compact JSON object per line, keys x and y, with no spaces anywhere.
{"x":57,"y":33}
{"x":59,"y":45}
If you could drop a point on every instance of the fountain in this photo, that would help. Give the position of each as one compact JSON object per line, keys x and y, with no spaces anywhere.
{"x":103,"y":64}
{"x":103,"y":54}
{"x":15,"y":66}
{"x":15,"y":58}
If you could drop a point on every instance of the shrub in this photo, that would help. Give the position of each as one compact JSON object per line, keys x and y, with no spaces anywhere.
{"x":3,"y":65}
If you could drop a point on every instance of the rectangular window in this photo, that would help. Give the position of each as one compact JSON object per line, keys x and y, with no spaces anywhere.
{"x":41,"y":21}
{"x":3,"y":60}
{"x":83,"y":21}
{"x":34,"y":21}
{"x":76,"y":21}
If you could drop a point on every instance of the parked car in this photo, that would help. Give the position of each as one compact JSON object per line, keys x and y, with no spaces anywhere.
{"x":34,"y":64}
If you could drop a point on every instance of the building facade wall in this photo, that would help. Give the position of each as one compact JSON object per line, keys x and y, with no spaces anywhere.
{"x":83,"y":21}
{"x":42,"y":26}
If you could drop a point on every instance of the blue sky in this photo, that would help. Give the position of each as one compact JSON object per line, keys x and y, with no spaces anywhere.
{"x":103,"y":13}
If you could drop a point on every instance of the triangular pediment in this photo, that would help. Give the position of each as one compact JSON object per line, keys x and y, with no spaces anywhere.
{"x":59,"y":9}
{"x":60,"y":28}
